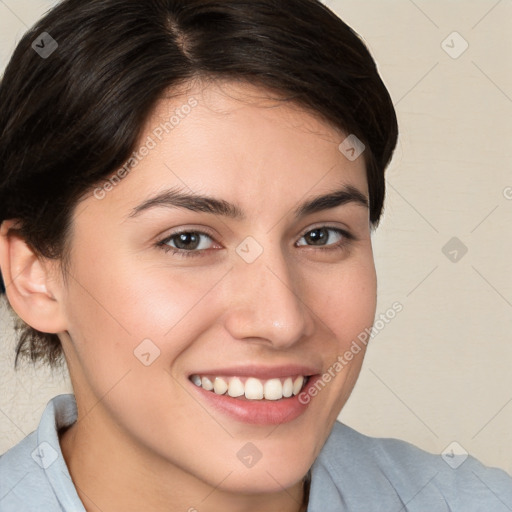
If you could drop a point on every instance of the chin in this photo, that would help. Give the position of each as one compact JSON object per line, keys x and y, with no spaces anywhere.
{"x":265,"y":479}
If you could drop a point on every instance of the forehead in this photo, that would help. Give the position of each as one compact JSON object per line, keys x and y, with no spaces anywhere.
{"x":236,"y":142}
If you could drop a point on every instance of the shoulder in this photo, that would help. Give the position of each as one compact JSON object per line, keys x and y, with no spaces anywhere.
{"x":33,"y":473}
{"x":22,"y":479}
{"x":384,"y":473}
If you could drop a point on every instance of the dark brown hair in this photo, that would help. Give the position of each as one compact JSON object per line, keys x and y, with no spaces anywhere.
{"x":72,"y":118}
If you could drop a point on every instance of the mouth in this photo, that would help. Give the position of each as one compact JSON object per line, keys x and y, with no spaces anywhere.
{"x":252,"y":388}
{"x":256,"y":395}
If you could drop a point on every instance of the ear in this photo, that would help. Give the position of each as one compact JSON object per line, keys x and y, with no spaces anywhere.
{"x":30,"y":283}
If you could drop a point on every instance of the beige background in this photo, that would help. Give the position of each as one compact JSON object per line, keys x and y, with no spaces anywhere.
{"x":440,"y":371}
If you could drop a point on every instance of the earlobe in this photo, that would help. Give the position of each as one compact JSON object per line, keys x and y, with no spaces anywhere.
{"x":30,"y":288}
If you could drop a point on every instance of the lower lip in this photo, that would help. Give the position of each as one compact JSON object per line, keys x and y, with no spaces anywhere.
{"x":259,"y":412}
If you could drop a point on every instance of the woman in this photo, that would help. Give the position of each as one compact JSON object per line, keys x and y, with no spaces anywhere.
{"x":188,"y":190}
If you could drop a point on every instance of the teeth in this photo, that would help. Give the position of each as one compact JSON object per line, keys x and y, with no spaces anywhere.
{"x":273,"y":389}
{"x":206,"y":383}
{"x":236,"y":388}
{"x":297,"y":384}
{"x":253,"y":389}
{"x":288,"y":387}
{"x":219,"y":386}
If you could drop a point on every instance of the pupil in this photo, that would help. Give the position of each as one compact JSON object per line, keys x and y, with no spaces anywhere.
{"x":316,"y":236}
{"x":185,"y":240}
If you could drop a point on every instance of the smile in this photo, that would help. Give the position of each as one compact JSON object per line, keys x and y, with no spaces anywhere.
{"x":251,"y":388}
{"x":255,"y":394}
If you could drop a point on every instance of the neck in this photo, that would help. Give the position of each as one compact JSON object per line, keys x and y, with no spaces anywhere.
{"x":111,"y":473}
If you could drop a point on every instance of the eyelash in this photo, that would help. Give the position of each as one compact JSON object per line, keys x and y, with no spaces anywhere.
{"x":163,"y":244}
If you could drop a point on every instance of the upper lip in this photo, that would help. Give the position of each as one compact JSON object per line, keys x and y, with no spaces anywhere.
{"x":261,"y":372}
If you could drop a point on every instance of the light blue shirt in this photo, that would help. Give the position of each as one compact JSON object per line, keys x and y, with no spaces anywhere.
{"x":353,"y":473}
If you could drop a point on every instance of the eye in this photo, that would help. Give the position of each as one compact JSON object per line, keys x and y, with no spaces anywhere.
{"x":323,"y":236}
{"x":186,"y":243}
{"x":194,"y":243}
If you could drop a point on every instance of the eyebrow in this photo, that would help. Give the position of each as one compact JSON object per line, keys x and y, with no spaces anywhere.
{"x":176,"y":198}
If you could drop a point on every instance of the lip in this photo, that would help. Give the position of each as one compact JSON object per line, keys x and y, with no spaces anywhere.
{"x":257,"y":412}
{"x":261,"y":372}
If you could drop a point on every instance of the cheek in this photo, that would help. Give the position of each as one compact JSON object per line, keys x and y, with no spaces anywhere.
{"x":345,"y":298}
{"x":129,"y":325}
{"x":114,"y":307}
{"x":344,"y":306}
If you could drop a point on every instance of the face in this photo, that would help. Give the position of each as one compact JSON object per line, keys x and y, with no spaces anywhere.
{"x":170,"y":297}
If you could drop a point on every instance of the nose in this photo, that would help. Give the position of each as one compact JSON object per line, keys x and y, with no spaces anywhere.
{"x":268,"y":302}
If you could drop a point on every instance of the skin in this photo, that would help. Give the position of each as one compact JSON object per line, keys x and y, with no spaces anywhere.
{"x":141,"y":441}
